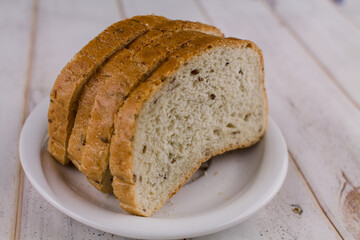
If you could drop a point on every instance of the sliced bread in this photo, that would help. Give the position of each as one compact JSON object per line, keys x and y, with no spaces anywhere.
{"x":208,"y":98}
{"x":123,"y":72}
{"x":70,"y":82}
{"x":86,"y":102}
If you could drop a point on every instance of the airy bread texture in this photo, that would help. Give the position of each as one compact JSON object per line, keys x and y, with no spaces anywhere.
{"x":70,"y":82}
{"x":208,"y":98}
{"x":105,"y":92}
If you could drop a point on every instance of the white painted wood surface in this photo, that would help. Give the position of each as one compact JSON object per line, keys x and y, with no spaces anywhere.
{"x":314,"y":105}
{"x":350,"y":10}
{"x":328,"y":37}
{"x":15,"y":25}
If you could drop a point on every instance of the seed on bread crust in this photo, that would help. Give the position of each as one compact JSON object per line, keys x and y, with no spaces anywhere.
{"x":104,"y":140}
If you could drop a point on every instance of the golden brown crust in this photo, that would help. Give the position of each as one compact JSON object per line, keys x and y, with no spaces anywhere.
{"x":124,"y":189}
{"x":77,"y":138}
{"x":69,"y":83}
{"x":123,"y":72}
{"x":121,"y":149}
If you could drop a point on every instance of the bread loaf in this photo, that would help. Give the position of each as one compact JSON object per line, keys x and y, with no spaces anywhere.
{"x":70,"y":82}
{"x":153,"y":99}
{"x":208,"y":98}
{"x":105,"y":91}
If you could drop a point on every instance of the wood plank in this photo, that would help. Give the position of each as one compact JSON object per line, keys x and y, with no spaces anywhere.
{"x":320,"y":124}
{"x":331,"y":39}
{"x":15,"y":19}
{"x":63,"y":28}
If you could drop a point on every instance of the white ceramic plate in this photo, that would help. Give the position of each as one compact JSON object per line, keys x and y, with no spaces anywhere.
{"x":235,"y":186}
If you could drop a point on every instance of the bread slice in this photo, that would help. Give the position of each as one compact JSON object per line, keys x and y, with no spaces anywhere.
{"x":70,"y":82}
{"x":124,"y":71}
{"x":208,"y":98}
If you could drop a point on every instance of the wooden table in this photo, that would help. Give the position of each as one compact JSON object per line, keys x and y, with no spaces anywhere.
{"x":312,"y":72}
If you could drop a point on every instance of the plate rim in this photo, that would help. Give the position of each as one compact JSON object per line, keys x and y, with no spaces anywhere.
{"x":34,"y":121}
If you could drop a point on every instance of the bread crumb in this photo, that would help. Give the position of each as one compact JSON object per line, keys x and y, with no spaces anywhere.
{"x":220,"y":193}
{"x":228,"y":198}
{"x":216,"y":173}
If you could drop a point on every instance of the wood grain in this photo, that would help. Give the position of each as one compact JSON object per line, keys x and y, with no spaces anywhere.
{"x":291,"y":215}
{"x":330,"y":39}
{"x":14,"y":48}
{"x":319,"y":122}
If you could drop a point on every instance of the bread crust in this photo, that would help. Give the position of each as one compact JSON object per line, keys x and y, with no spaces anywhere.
{"x":121,"y":149}
{"x":77,"y":138}
{"x":115,"y":80}
{"x":70,"y":81}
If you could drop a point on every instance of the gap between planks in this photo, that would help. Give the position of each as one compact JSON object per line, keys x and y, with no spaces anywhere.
{"x":29,"y":69}
{"x":311,"y":54}
{"x":348,"y":18}
{"x":312,"y":193}
{"x":203,"y":12}
{"x":121,"y":9}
